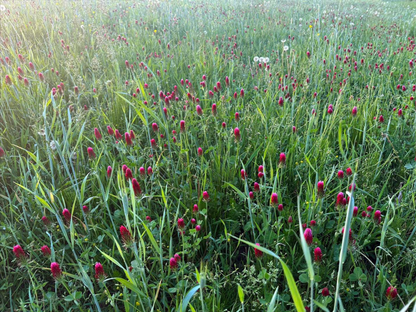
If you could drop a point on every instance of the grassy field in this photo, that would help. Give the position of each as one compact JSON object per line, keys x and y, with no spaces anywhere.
{"x":207,"y":155}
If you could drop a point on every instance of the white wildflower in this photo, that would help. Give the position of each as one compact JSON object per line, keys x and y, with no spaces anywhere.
{"x":256,"y":59}
{"x":266,"y":59}
{"x":261,"y":59}
{"x":2,"y":8}
{"x":285,"y":48}
{"x":53,"y":145}
{"x":283,"y":41}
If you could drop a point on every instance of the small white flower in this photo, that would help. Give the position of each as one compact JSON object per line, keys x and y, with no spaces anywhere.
{"x":261,"y":59}
{"x":283,"y":41}
{"x":41,"y":132}
{"x":285,"y":48}
{"x":74,"y":156}
{"x":266,"y":59}
{"x":256,"y":59}
{"x":2,"y":8}
{"x":352,"y":24}
{"x":53,"y":145}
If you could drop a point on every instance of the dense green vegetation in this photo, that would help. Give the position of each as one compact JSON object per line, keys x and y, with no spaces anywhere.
{"x":146,"y":146}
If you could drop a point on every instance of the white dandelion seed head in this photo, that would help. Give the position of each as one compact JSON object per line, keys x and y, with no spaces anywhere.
{"x":74,"y":156}
{"x":2,"y":8}
{"x":285,"y":48}
{"x":53,"y":145}
{"x":256,"y":59}
{"x":261,"y":59}
{"x":283,"y":41}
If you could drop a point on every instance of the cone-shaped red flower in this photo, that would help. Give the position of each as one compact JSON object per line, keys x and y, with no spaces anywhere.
{"x":91,"y":153}
{"x":173,"y":263}
{"x":155,"y":127}
{"x":128,"y":174}
{"x":325,"y":292}
{"x":199,"y":110}
{"x":237,"y":134}
{"x":2,"y":153}
{"x":243,"y":174}
{"x":109,"y":171}
{"x":258,"y":253}
{"x":128,"y":138}
{"x":46,"y":251}
{"x":97,"y":134}
{"x":377,"y":216}
{"x":110,"y":130}
{"x":182,"y":126}
{"x":125,"y":235}
{"x":340,"y":199}
{"x":321,"y":191}
{"x":282,"y":160}
{"x":214,"y":109}
{"x":99,"y":271}
{"x":391,"y":293}
{"x":355,"y":211}
{"x":274,"y":200}
{"x":205,"y":196}
{"x":136,"y":187}
{"x":318,"y":254}
{"x":46,"y":221}
{"x":181,"y":223}
{"x":200,"y":152}
{"x":67,"y":215}
{"x":308,"y":236}
{"x":19,"y":253}
{"x":118,"y":135}
{"x":56,"y":270}
{"x":340,"y":174}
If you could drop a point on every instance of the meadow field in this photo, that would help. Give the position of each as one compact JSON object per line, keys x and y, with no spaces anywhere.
{"x":207,"y":155}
